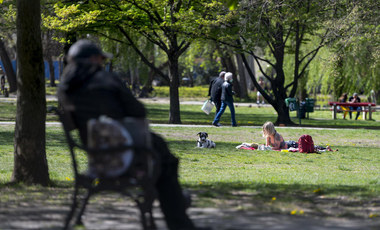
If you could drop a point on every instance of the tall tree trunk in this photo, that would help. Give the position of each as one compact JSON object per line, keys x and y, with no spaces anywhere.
{"x":9,"y":71}
{"x":302,"y":90}
{"x":243,"y":83}
{"x":174,"y":113}
{"x":283,"y":116}
{"x":111,"y":66}
{"x":279,"y":91}
{"x":30,"y":164}
{"x":51,"y":71}
{"x":151,"y":71}
{"x":136,"y":76}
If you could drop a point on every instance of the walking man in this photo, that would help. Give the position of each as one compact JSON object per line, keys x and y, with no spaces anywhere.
{"x":227,"y":100}
{"x":215,"y":91}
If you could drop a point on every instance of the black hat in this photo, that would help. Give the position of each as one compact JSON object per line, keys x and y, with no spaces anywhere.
{"x":84,"y":49}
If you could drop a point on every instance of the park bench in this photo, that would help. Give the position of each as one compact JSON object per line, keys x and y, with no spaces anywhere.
{"x":367,"y":108}
{"x":138,"y":182}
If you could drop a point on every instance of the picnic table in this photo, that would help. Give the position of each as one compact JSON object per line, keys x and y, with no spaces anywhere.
{"x":367,"y":107}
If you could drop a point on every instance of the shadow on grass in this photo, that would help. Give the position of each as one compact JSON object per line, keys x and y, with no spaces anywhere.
{"x":289,"y":192}
{"x":52,"y":138}
{"x":35,"y":207}
{"x":326,"y":201}
{"x":46,"y":207}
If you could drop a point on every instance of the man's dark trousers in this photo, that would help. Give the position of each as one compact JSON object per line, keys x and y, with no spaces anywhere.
{"x":218,"y":104}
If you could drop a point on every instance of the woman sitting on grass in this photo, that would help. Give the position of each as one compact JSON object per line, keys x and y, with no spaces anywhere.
{"x":273,"y":138}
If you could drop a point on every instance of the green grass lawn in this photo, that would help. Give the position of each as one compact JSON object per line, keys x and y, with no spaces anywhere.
{"x":278,"y":181}
{"x":254,"y":116}
{"x":245,"y":116}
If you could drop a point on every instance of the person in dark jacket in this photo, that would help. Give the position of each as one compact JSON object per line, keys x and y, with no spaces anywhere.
{"x":354,"y":99}
{"x":88,"y":91}
{"x":215,"y":92}
{"x":227,"y":100}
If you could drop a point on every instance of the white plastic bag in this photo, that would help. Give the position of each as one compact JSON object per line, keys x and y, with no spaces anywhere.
{"x":207,"y":106}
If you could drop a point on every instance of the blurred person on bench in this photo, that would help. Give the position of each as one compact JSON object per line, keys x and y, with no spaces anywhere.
{"x":90,"y":92}
{"x":345,"y":109}
{"x":354,"y":99}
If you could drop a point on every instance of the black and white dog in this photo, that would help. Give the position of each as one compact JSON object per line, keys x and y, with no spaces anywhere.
{"x":203,"y":142}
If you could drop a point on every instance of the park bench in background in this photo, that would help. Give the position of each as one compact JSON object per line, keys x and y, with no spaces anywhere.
{"x":138,"y":182}
{"x":367,"y":107}
{"x":301,"y":107}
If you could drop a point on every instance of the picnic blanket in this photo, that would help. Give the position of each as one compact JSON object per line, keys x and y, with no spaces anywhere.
{"x":248,"y":146}
{"x":253,"y":146}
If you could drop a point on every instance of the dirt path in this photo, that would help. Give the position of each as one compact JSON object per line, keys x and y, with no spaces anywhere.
{"x":46,"y":209}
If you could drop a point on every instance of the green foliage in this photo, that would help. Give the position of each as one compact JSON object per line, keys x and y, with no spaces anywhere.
{"x":293,"y":32}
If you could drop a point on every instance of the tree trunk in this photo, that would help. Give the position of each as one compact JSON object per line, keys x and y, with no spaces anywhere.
{"x":228,"y":64}
{"x":174,"y":113}
{"x":279,"y":91}
{"x":302,"y":91}
{"x":283,"y":113}
{"x":191,"y":80}
{"x":243,"y":83}
{"x":30,"y":164}
{"x":231,"y":68}
{"x":111,"y":66}
{"x":151,"y":71}
{"x":8,"y":68}
{"x":51,"y":71}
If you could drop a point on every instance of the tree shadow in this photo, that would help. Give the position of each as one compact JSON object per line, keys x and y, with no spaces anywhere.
{"x":243,"y":205}
{"x":46,"y":208}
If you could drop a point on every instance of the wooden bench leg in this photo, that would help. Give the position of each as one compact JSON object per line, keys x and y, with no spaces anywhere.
{"x":73,"y":207}
{"x":145,"y":206}
{"x":334,"y":112}
{"x":84,"y":203}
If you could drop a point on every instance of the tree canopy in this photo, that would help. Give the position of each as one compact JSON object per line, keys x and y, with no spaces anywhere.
{"x":284,"y":29}
{"x":170,"y":25}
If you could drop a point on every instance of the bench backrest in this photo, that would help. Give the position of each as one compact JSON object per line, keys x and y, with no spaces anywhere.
{"x":352,"y":104}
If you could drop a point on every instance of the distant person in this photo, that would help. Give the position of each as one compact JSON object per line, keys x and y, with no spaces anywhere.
{"x":135,"y":89}
{"x":343,"y":99}
{"x":354,"y":99}
{"x":215,"y":91}
{"x":259,"y":96}
{"x":273,"y":138}
{"x":227,"y":100}
{"x":144,"y":92}
{"x":2,"y":84}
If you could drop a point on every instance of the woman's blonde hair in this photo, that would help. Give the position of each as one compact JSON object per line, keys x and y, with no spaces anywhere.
{"x":268,"y":129}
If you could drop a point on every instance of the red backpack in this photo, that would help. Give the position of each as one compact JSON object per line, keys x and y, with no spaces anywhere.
{"x":306,"y":144}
